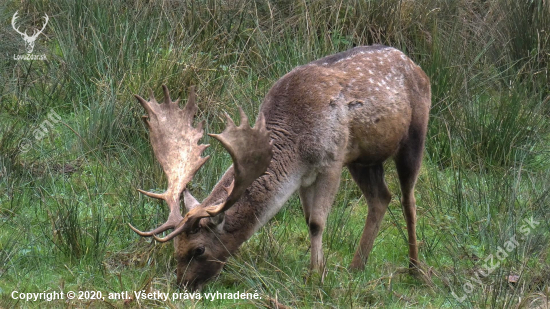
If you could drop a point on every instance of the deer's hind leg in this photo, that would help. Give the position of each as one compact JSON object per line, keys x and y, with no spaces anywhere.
{"x":370,"y":180}
{"x":407,"y":162}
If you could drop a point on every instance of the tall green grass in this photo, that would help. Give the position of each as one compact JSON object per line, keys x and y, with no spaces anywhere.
{"x":65,"y":203}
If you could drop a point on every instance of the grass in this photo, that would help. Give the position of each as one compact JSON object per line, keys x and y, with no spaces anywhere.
{"x":66,"y":201}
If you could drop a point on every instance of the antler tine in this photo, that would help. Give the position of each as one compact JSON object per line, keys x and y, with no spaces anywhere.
{"x":191,"y":108}
{"x":160,"y":196}
{"x":178,"y":230}
{"x":165,"y":226}
{"x":167,"y":99}
{"x":260,"y":124}
{"x":192,"y":96}
{"x":175,"y":145}
{"x":144,"y":104}
{"x":244,"y":119}
{"x":173,"y":220}
{"x":152,"y":96}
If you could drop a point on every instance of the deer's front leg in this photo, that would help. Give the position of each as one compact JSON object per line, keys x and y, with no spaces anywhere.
{"x":370,"y":180}
{"x":317,"y":199}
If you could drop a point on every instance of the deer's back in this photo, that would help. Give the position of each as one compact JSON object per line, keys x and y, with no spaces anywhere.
{"x":354,"y":105}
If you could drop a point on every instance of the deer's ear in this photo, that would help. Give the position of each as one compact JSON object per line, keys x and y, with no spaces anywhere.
{"x":213,"y":224}
{"x":218,"y":220}
{"x":189,"y":200}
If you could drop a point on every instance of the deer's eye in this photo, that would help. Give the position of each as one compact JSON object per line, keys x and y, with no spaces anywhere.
{"x":198,"y":251}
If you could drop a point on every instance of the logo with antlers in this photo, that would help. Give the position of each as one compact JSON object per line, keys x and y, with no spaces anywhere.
{"x":29,"y":40}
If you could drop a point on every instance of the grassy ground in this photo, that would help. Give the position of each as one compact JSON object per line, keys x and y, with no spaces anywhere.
{"x":67,"y":186}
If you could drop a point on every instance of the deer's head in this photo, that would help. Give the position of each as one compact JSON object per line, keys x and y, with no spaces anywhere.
{"x":199,"y":249}
{"x":29,"y":40}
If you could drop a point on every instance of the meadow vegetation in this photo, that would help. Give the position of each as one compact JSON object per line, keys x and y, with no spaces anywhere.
{"x":67,"y":195}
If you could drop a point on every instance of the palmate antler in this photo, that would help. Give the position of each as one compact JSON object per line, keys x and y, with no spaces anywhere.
{"x":174,"y":142}
{"x":175,"y":146}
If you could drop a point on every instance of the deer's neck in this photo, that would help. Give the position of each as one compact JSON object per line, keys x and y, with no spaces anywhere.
{"x":262,"y":200}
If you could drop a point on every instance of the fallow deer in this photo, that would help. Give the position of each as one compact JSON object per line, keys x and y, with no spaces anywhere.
{"x":354,"y":109}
